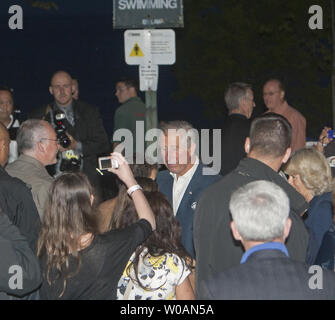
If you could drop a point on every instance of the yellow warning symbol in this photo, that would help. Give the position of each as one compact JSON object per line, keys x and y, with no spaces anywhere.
{"x":136,"y":52}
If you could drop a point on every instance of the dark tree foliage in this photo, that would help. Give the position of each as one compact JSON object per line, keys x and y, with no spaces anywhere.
{"x":238,"y":40}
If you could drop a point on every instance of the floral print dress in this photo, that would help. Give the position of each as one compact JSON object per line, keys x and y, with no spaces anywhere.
{"x":159,"y":275}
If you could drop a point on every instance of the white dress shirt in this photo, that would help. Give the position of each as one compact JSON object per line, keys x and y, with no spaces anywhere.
{"x":13,"y":152}
{"x":180,"y":185}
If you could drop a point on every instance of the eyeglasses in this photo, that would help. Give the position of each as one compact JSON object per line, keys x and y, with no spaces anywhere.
{"x":271,"y":93}
{"x":55,"y":140}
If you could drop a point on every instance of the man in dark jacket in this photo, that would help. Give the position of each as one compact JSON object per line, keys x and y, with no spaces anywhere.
{"x":260,"y":212}
{"x":83,"y":126}
{"x":20,"y":273}
{"x":16,"y":200}
{"x":240,"y":103}
{"x":267,"y":148}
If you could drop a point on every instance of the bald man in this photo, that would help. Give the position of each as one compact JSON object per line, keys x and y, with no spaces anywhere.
{"x":16,"y":200}
{"x":275,"y":101}
{"x":83,"y":126}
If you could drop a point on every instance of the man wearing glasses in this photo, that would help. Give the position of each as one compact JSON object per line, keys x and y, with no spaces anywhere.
{"x":38,"y":147}
{"x":274,"y":99}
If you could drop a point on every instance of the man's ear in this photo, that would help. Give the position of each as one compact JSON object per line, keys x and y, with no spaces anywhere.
{"x":247,"y":145}
{"x":282,"y":95}
{"x":40,"y":147}
{"x":51,"y":90}
{"x":287,"y":228}
{"x":132,"y":91}
{"x":73,"y":89}
{"x":235,"y":232}
{"x":287,"y":155}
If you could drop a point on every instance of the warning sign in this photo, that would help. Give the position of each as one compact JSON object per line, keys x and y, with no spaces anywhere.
{"x":136,"y":52}
{"x":150,"y":47}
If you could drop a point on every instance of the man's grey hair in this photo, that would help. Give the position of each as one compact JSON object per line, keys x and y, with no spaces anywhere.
{"x":29,"y":134}
{"x":182,"y":127}
{"x":260,"y":210}
{"x":235,"y":92}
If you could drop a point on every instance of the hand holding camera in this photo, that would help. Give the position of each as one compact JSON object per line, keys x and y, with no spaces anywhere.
{"x":120,"y":167}
{"x":326,"y":136}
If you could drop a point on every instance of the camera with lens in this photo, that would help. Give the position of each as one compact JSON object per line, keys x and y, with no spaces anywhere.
{"x":70,"y":164}
{"x":60,"y":129}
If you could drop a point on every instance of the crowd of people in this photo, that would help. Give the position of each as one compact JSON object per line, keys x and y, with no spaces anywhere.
{"x":141,"y":231}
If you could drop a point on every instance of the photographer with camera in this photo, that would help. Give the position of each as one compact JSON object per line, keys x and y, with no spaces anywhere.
{"x":79,"y":129}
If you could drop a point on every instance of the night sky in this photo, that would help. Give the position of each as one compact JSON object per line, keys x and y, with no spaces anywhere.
{"x":78,"y":36}
{"x":81,"y":40}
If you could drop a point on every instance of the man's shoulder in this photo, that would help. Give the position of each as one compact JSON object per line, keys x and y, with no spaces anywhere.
{"x":207,"y":174}
{"x":84,"y":106}
{"x":133,"y":104}
{"x":227,"y":183}
{"x":294,"y":113}
{"x":11,"y":183}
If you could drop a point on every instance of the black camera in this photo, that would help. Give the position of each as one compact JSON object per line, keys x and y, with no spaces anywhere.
{"x":70,"y":165}
{"x":60,"y":129}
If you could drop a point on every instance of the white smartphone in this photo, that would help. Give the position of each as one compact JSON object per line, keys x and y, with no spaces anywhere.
{"x":106,"y":163}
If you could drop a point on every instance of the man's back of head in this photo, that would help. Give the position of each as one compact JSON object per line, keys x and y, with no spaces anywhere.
{"x":239,"y":98}
{"x":260,"y":211}
{"x":270,"y":136}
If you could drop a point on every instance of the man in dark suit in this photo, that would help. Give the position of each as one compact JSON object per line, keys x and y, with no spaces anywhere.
{"x":16,"y":200}
{"x":267,"y":147}
{"x":185,"y":178}
{"x":83,"y":126}
{"x":260,"y":212}
{"x":240,"y":103}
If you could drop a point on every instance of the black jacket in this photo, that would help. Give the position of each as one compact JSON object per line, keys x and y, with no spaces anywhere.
{"x":268,"y":275}
{"x":17,"y":203}
{"x":15,"y":251}
{"x":88,"y":129}
{"x":235,"y":130}
{"x":215,"y":247}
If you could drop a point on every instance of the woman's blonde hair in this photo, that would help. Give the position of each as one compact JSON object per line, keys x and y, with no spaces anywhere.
{"x":313,"y":169}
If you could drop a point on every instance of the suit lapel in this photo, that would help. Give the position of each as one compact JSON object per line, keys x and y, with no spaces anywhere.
{"x":189,"y":190}
{"x":169,"y":188}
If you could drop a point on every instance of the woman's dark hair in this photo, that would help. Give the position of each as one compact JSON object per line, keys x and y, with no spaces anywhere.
{"x":165,"y":239}
{"x":123,"y":200}
{"x":69,"y":215}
